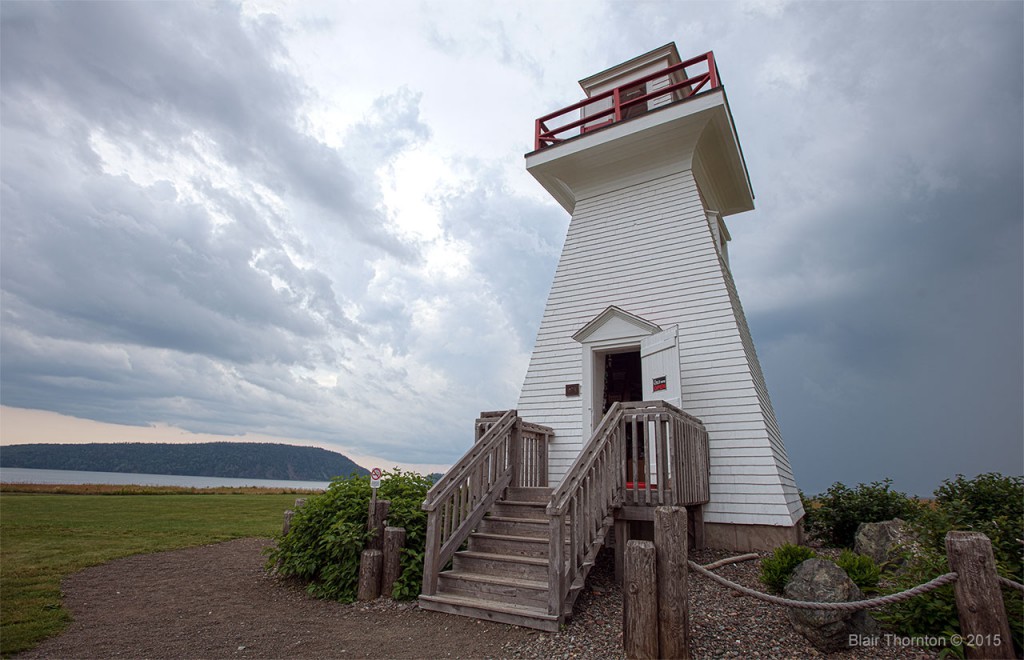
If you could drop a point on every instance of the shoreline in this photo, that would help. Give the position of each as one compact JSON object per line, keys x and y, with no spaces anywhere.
{"x":135,"y":489}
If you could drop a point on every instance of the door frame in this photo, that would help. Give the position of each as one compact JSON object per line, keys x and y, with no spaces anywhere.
{"x":612,"y":331}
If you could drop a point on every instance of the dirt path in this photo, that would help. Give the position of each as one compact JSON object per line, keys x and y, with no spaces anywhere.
{"x":216,"y":601}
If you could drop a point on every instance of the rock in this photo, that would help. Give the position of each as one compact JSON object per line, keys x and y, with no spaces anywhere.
{"x":885,"y":541}
{"x":820,"y":580}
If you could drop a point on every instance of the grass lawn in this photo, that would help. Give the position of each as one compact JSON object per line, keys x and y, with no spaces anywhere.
{"x":44,"y":537}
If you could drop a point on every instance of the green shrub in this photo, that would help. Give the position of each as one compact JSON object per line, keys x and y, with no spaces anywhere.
{"x":842,"y":509}
{"x":862,"y":569}
{"x":930,"y":615}
{"x":991,"y":504}
{"x":987,"y":496}
{"x":777,"y":569}
{"x":328,"y":534}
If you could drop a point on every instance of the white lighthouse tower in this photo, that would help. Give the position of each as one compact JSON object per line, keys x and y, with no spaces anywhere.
{"x":643,"y":305}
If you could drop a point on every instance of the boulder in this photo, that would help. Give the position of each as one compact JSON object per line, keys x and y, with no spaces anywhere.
{"x":822,"y":581}
{"x":885,"y":541}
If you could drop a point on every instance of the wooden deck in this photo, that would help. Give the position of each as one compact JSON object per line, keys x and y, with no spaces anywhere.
{"x":520,"y":552}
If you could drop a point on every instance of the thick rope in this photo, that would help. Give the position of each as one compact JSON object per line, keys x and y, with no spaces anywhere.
{"x":1010,"y":583}
{"x":851,"y":606}
{"x":731,"y":560}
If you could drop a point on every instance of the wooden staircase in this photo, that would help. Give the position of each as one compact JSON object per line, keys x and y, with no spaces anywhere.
{"x":519,"y":551}
{"x":502,"y":575}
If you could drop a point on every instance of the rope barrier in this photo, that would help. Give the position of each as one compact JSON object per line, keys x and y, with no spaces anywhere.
{"x":1010,"y":583}
{"x":851,"y":606}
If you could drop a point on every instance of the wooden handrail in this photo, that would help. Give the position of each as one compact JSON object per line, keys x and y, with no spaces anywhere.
{"x":458,"y":472}
{"x":459,"y":500}
{"x":510,"y":453}
{"x":581,"y":507}
{"x":583,"y":463}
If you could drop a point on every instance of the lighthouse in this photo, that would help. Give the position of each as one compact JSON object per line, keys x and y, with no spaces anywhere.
{"x":643,"y":305}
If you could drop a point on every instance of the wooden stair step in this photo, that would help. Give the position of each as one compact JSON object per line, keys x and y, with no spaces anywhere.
{"x":510,"y":537}
{"x":498,"y":588}
{"x":518,"y":509}
{"x":530,"y":503}
{"x":517,"y":615}
{"x":533,"y":527}
{"x":491,"y":556}
{"x":532,"y":568}
{"x":529,"y":494}
{"x":499,"y":579}
{"x":509,"y":544}
{"x":518,"y":519}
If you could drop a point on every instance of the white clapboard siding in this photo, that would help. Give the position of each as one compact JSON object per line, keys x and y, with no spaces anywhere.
{"x":648,"y":249}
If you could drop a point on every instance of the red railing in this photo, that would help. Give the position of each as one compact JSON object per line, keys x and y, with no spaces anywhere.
{"x":690,"y":85}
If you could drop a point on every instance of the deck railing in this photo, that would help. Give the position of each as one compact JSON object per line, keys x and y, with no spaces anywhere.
{"x":632,"y":440}
{"x":686,"y":85}
{"x":529,"y":451}
{"x":507,"y":452}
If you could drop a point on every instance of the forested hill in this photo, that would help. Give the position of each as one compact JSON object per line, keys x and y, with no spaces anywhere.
{"x":249,"y":460}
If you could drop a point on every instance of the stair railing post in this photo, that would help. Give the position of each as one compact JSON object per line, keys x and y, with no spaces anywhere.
{"x":542,"y":459}
{"x":517,"y":452}
{"x":432,"y":548}
{"x":556,"y":562}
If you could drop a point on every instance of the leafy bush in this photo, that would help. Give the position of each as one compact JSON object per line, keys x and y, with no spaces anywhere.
{"x":777,"y":569}
{"x":328,"y":534}
{"x":987,"y":496}
{"x":862,"y":569}
{"x":930,"y":615}
{"x":991,"y":504}
{"x":842,"y":509}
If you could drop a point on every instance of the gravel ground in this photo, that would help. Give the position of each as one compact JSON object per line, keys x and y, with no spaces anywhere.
{"x":723,"y":624}
{"x":218,"y":602}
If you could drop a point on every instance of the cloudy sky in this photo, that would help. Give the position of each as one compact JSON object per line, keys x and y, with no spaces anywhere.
{"x":311,"y":221}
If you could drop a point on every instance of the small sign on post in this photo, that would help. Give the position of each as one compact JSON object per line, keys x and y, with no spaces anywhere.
{"x":375,"y":475}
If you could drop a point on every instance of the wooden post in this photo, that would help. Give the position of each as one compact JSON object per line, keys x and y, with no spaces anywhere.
{"x":369,"y":574}
{"x":287,"y":522}
{"x":394,"y":541}
{"x":640,"y":601}
{"x":516,"y":451}
{"x":621,"y":537}
{"x":696,"y":512}
{"x":979,"y":601}
{"x":378,"y":512}
{"x":556,"y":565}
{"x":673,"y":612}
{"x":431,"y":550}
{"x":300,"y":502}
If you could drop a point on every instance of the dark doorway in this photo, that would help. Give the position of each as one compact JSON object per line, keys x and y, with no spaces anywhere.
{"x":622,"y":378}
{"x":623,"y":381}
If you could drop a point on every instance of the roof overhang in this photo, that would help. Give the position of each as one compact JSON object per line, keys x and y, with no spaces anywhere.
{"x":656,"y":143}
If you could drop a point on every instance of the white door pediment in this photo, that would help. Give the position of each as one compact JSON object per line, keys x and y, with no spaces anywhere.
{"x":614,"y":323}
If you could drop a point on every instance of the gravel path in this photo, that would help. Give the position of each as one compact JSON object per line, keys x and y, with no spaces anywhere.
{"x":216,"y":601}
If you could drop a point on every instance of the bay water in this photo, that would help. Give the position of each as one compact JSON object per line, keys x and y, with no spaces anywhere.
{"x":32,"y":476}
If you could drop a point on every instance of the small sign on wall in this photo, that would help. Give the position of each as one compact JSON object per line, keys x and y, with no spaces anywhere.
{"x":660,"y":383}
{"x":572,"y":390}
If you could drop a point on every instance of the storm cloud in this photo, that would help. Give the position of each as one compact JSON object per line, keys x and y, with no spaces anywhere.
{"x":314,"y":223}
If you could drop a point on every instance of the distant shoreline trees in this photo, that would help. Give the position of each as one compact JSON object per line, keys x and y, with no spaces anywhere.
{"x":244,"y":460}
